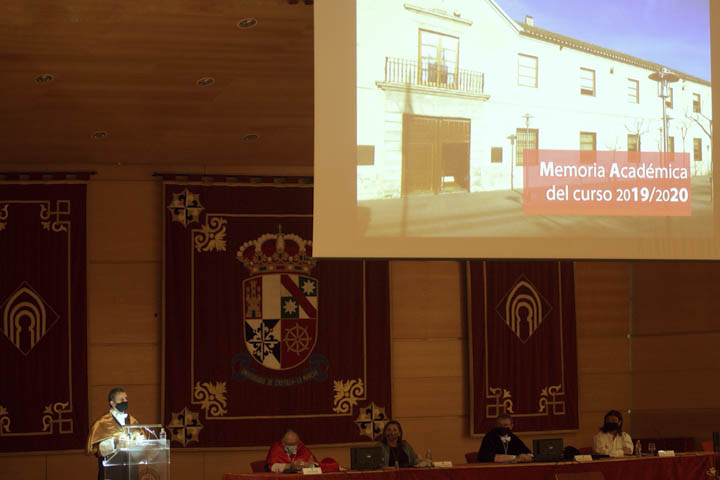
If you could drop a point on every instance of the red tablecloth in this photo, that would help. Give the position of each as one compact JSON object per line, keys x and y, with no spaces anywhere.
{"x":685,"y":467}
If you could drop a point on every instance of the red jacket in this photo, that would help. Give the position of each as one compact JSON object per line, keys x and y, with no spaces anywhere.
{"x":277,"y":454}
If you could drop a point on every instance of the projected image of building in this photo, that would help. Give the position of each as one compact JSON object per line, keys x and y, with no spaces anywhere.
{"x":449,"y":94}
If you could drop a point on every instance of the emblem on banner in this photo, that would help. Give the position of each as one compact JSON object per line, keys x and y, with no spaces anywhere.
{"x":523,"y":309}
{"x":26,"y":318}
{"x":280,"y":307}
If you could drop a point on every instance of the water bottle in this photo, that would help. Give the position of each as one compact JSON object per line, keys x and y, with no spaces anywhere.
{"x":428,"y":458}
{"x":397,"y":465}
{"x":163,"y":435}
{"x":638,"y":448}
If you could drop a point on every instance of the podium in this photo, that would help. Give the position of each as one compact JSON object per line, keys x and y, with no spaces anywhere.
{"x":141,"y":455}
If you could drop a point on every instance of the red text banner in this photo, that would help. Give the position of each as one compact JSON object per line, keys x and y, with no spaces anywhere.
{"x":523,"y":357}
{"x":43,"y":343}
{"x":573,"y":182}
{"x":259,"y":335}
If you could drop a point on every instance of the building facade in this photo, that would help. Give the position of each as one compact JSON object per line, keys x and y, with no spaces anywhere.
{"x":450,"y":92}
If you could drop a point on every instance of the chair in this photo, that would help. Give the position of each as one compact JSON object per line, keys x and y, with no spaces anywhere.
{"x":580,"y":476}
{"x":258,"y":466}
{"x":471,"y":457}
{"x":707,"y":446}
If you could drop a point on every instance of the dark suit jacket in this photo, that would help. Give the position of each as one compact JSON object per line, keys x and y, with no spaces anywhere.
{"x":492,"y":445}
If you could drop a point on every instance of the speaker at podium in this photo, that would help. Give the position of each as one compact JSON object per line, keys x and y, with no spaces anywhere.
{"x":143,"y":453}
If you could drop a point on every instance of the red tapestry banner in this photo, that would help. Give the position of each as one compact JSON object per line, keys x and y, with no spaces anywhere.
{"x":258,"y":335}
{"x":43,"y":345}
{"x":523,"y":352}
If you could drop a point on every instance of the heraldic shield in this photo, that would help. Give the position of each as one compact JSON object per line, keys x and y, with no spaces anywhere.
{"x":281,"y":315}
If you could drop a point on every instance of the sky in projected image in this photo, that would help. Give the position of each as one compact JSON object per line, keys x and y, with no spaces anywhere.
{"x":675,"y":33}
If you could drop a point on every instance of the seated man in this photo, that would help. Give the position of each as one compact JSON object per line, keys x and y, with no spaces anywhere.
{"x":289,"y":454}
{"x":106,"y":431}
{"x":501,"y":445}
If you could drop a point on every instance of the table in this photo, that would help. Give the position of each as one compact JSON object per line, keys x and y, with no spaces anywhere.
{"x":682,"y":467}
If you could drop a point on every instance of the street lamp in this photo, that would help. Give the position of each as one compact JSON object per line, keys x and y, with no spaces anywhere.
{"x":663,"y":77}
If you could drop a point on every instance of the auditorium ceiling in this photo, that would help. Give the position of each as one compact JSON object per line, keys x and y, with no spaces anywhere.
{"x":176,"y":82}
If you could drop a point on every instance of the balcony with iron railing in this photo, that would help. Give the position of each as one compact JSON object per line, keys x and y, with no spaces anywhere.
{"x":432,"y":78}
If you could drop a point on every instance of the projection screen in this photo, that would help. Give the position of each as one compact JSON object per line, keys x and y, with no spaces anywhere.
{"x":515,"y":129}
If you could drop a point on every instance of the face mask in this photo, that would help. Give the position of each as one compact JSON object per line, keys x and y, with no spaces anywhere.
{"x":291,"y":449}
{"x":503,"y":431}
{"x":611,"y":426}
{"x":121,"y":407}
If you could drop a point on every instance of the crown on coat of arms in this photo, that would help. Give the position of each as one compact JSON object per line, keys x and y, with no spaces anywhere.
{"x":277,"y":252}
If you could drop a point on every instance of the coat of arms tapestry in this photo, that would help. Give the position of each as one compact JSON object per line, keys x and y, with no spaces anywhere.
{"x":523,"y":353}
{"x":258,"y":335}
{"x":43,"y":345}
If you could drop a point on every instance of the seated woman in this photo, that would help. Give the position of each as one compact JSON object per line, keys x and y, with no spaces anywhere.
{"x":289,"y":454}
{"x":611,"y":440}
{"x":395,"y":449}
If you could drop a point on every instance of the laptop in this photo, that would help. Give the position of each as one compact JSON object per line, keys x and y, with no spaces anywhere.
{"x":366,"y":458}
{"x":548,"y":450}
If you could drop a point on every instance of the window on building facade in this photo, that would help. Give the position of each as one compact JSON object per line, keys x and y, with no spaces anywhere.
{"x":588,"y":141}
{"x":587,"y":82}
{"x":669,"y":99}
{"x":671,"y":144}
{"x":496,"y":154}
{"x":588,"y":146}
{"x":696,"y":102}
{"x":438,"y":59}
{"x":527,"y":71}
{"x":526,"y":138}
{"x":633,"y":142}
{"x":697,"y":149}
{"x":633,"y":91}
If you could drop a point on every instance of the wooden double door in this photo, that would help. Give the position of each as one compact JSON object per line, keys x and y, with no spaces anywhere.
{"x":436,"y":155}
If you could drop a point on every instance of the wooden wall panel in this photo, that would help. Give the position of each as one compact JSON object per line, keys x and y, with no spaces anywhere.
{"x":602,"y":299}
{"x":677,"y":422}
{"x":602,"y":392}
{"x":417,"y":358}
{"x":30,"y":467}
{"x":63,"y":467}
{"x":187,"y":466}
{"x":429,"y":397}
{"x":675,"y":297}
{"x":124,"y":222}
{"x":426,"y":299}
{"x":676,"y":333}
{"x":124,"y":303}
{"x":603,"y":355}
{"x":117,"y":364}
{"x":675,"y":390}
{"x":677,"y":353}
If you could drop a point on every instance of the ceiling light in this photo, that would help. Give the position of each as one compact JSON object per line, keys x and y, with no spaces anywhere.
{"x":247,"y":23}
{"x":97,"y":135}
{"x":250,"y":137}
{"x":205,"y":82}
{"x":44,"y":78}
